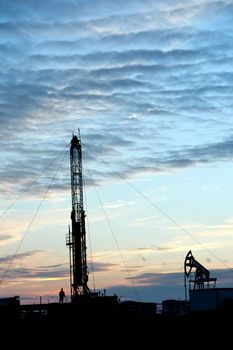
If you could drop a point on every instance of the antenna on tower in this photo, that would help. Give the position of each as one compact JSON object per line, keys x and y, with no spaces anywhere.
{"x":76,"y":238}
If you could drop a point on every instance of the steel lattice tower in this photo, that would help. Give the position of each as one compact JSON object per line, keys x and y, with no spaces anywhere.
{"x":76,"y":239}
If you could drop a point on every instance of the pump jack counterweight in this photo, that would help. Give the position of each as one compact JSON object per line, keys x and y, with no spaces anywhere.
{"x":76,"y":238}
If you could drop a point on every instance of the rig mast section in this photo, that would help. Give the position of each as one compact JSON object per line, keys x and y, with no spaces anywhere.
{"x":202,"y":275}
{"x":76,"y":239}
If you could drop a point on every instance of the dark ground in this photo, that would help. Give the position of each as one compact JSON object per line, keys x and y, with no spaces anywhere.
{"x":106,"y":326}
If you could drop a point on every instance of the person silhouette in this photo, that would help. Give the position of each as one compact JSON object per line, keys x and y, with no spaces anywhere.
{"x":61,"y":295}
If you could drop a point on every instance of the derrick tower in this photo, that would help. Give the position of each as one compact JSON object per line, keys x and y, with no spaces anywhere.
{"x":76,"y":238}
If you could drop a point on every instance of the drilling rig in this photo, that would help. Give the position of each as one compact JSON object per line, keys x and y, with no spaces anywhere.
{"x":76,"y":238}
{"x":93,"y":304}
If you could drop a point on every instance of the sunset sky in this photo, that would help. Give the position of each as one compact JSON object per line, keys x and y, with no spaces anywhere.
{"x":149,"y":85}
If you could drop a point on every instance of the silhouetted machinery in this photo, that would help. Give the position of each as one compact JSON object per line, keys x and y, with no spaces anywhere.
{"x":76,"y":238}
{"x":89,"y":303}
{"x":201,"y":278}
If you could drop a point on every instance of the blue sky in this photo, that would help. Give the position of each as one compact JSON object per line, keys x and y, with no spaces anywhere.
{"x":149,"y":85}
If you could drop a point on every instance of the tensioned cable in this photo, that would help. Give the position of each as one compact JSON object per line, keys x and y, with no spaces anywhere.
{"x":33,"y":218}
{"x":165,"y":214}
{"x":89,"y":240}
{"x":30,"y":185}
{"x":114,"y":237}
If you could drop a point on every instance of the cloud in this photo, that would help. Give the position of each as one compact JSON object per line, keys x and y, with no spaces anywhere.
{"x":180,"y":159}
{"x":152,"y":248}
{"x":101,"y":267}
{"x":20,"y":271}
{"x":20,"y":256}
{"x":6,"y":238}
{"x":158,"y":287}
{"x":168,"y":161}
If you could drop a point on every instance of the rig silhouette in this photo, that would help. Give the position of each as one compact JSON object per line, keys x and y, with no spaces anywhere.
{"x":84,"y":302}
{"x":206,"y":302}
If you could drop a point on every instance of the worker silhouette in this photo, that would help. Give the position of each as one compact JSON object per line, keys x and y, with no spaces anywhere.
{"x":61,"y":295}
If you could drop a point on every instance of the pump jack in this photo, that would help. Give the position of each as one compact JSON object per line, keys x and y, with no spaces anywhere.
{"x":202,"y":275}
